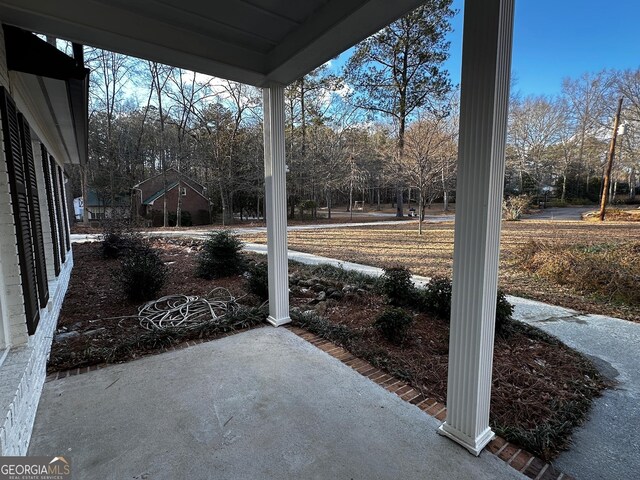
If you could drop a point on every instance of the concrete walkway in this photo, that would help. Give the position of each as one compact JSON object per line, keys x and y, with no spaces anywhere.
{"x":262,"y":404}
{"x":607,"y":446}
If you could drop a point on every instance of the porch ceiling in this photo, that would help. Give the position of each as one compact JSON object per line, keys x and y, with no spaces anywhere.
{"x":251,"y":41}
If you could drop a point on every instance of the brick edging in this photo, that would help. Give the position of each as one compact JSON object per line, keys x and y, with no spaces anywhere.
{"x":511,"y":454}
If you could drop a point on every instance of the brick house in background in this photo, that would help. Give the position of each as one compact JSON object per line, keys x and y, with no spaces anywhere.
{"x":148,"y":199}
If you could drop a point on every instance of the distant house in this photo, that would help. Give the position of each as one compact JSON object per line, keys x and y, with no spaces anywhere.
{"x":149,"y":195}
{"x":102,"y":207}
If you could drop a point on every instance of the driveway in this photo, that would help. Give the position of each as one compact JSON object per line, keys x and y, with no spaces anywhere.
{"x":262,"y":404}
{"x":561,"y":213}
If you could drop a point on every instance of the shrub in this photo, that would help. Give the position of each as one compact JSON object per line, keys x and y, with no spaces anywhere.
{"x":513,"y":207}
{"x":220,"y":256}
{"x":396,"y":284}
{"x":394,"y":324}
{"x":142,"y":274}
{"x":435,"y":298}
{"x":258,"y":280}
{"x":340,"y":274}
{"x":504,"y":311}
{"x":607,"y":270}
{"x":118,"y":238}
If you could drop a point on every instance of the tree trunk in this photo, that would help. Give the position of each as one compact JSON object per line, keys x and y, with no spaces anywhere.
{"x":223,"y":199}
{"x":179,"y":207}
{"x":85,"y":193}
{"x":564,"y":187}
{"x":399,"y":202}
{"x":329,"y":202}
{"x":612,"y":192}
{"x":420,"y":211}
{"x":351,"y":199}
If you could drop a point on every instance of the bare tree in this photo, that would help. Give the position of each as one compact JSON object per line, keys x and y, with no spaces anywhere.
{"x":430,"y":144}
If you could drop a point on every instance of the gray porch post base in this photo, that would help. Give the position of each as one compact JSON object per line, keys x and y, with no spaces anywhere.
{"x":486,"y":62}
{"x":276,"y":204}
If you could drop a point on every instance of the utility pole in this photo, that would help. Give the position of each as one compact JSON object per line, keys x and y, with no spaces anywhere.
{"x":607,"y":173}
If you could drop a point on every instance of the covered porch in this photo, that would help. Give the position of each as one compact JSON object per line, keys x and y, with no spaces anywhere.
{"x":262,"y":404}
{"x":270,"y":44}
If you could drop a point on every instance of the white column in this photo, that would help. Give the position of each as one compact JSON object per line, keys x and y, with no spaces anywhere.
{"x":486,"y":64}
{"x":276,"y":204}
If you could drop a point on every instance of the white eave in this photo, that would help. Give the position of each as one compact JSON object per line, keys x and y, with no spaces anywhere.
{"x":46,"y":104}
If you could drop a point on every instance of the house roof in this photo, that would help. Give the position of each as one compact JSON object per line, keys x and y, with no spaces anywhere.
{"x":159,"y":193}
{"x":188,"y":180}
{"x":96,"y":200}
{"x":171,"y":186}
{"x":257,"y":42}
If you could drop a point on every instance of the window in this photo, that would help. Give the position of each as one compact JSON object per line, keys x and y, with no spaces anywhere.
{"x":183,"y":191}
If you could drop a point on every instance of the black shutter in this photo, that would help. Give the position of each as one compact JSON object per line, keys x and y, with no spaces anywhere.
{"x":20,"y":201}
{"x":65,"y":209}
{"x":58,"y":201}
{"x":51,"y":204}
{"x":34,"y":210}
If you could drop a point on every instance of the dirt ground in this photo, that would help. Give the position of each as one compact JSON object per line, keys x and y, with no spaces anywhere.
{"x":431,"y":253}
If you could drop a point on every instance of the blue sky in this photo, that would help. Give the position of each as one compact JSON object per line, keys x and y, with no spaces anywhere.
{"x":563,"y":38}
{"x":554,"y":39}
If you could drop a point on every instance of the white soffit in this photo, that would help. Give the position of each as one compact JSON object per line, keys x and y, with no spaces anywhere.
{"x":257,"y":42}
{"x":45,"y":103}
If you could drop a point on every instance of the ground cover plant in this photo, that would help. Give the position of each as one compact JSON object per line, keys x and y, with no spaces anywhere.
{"x":541,"y":388}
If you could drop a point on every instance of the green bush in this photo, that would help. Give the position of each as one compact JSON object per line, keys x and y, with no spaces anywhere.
{"x":220,"y":256}
{"x":258,"y":280}
{"x":504,"y":311}
{"x":396,"y":284}
{"x":142,"y":274}
{"x":435,"y":298}
{"x":119,"y":239}
{"x":394,"y":324}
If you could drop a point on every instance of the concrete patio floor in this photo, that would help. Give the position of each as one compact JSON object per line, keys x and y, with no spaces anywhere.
{"x":262,"y":404}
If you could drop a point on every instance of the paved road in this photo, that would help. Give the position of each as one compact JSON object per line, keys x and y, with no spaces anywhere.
{"x":561,"y":213}
{"x":91,"y":237}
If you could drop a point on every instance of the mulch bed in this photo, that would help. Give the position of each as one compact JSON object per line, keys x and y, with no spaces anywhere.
{"x":541,"y":388}
{"x":89,"y":325}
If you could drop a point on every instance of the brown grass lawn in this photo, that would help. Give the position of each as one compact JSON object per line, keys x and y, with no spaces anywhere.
{"x":431,"y":253}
